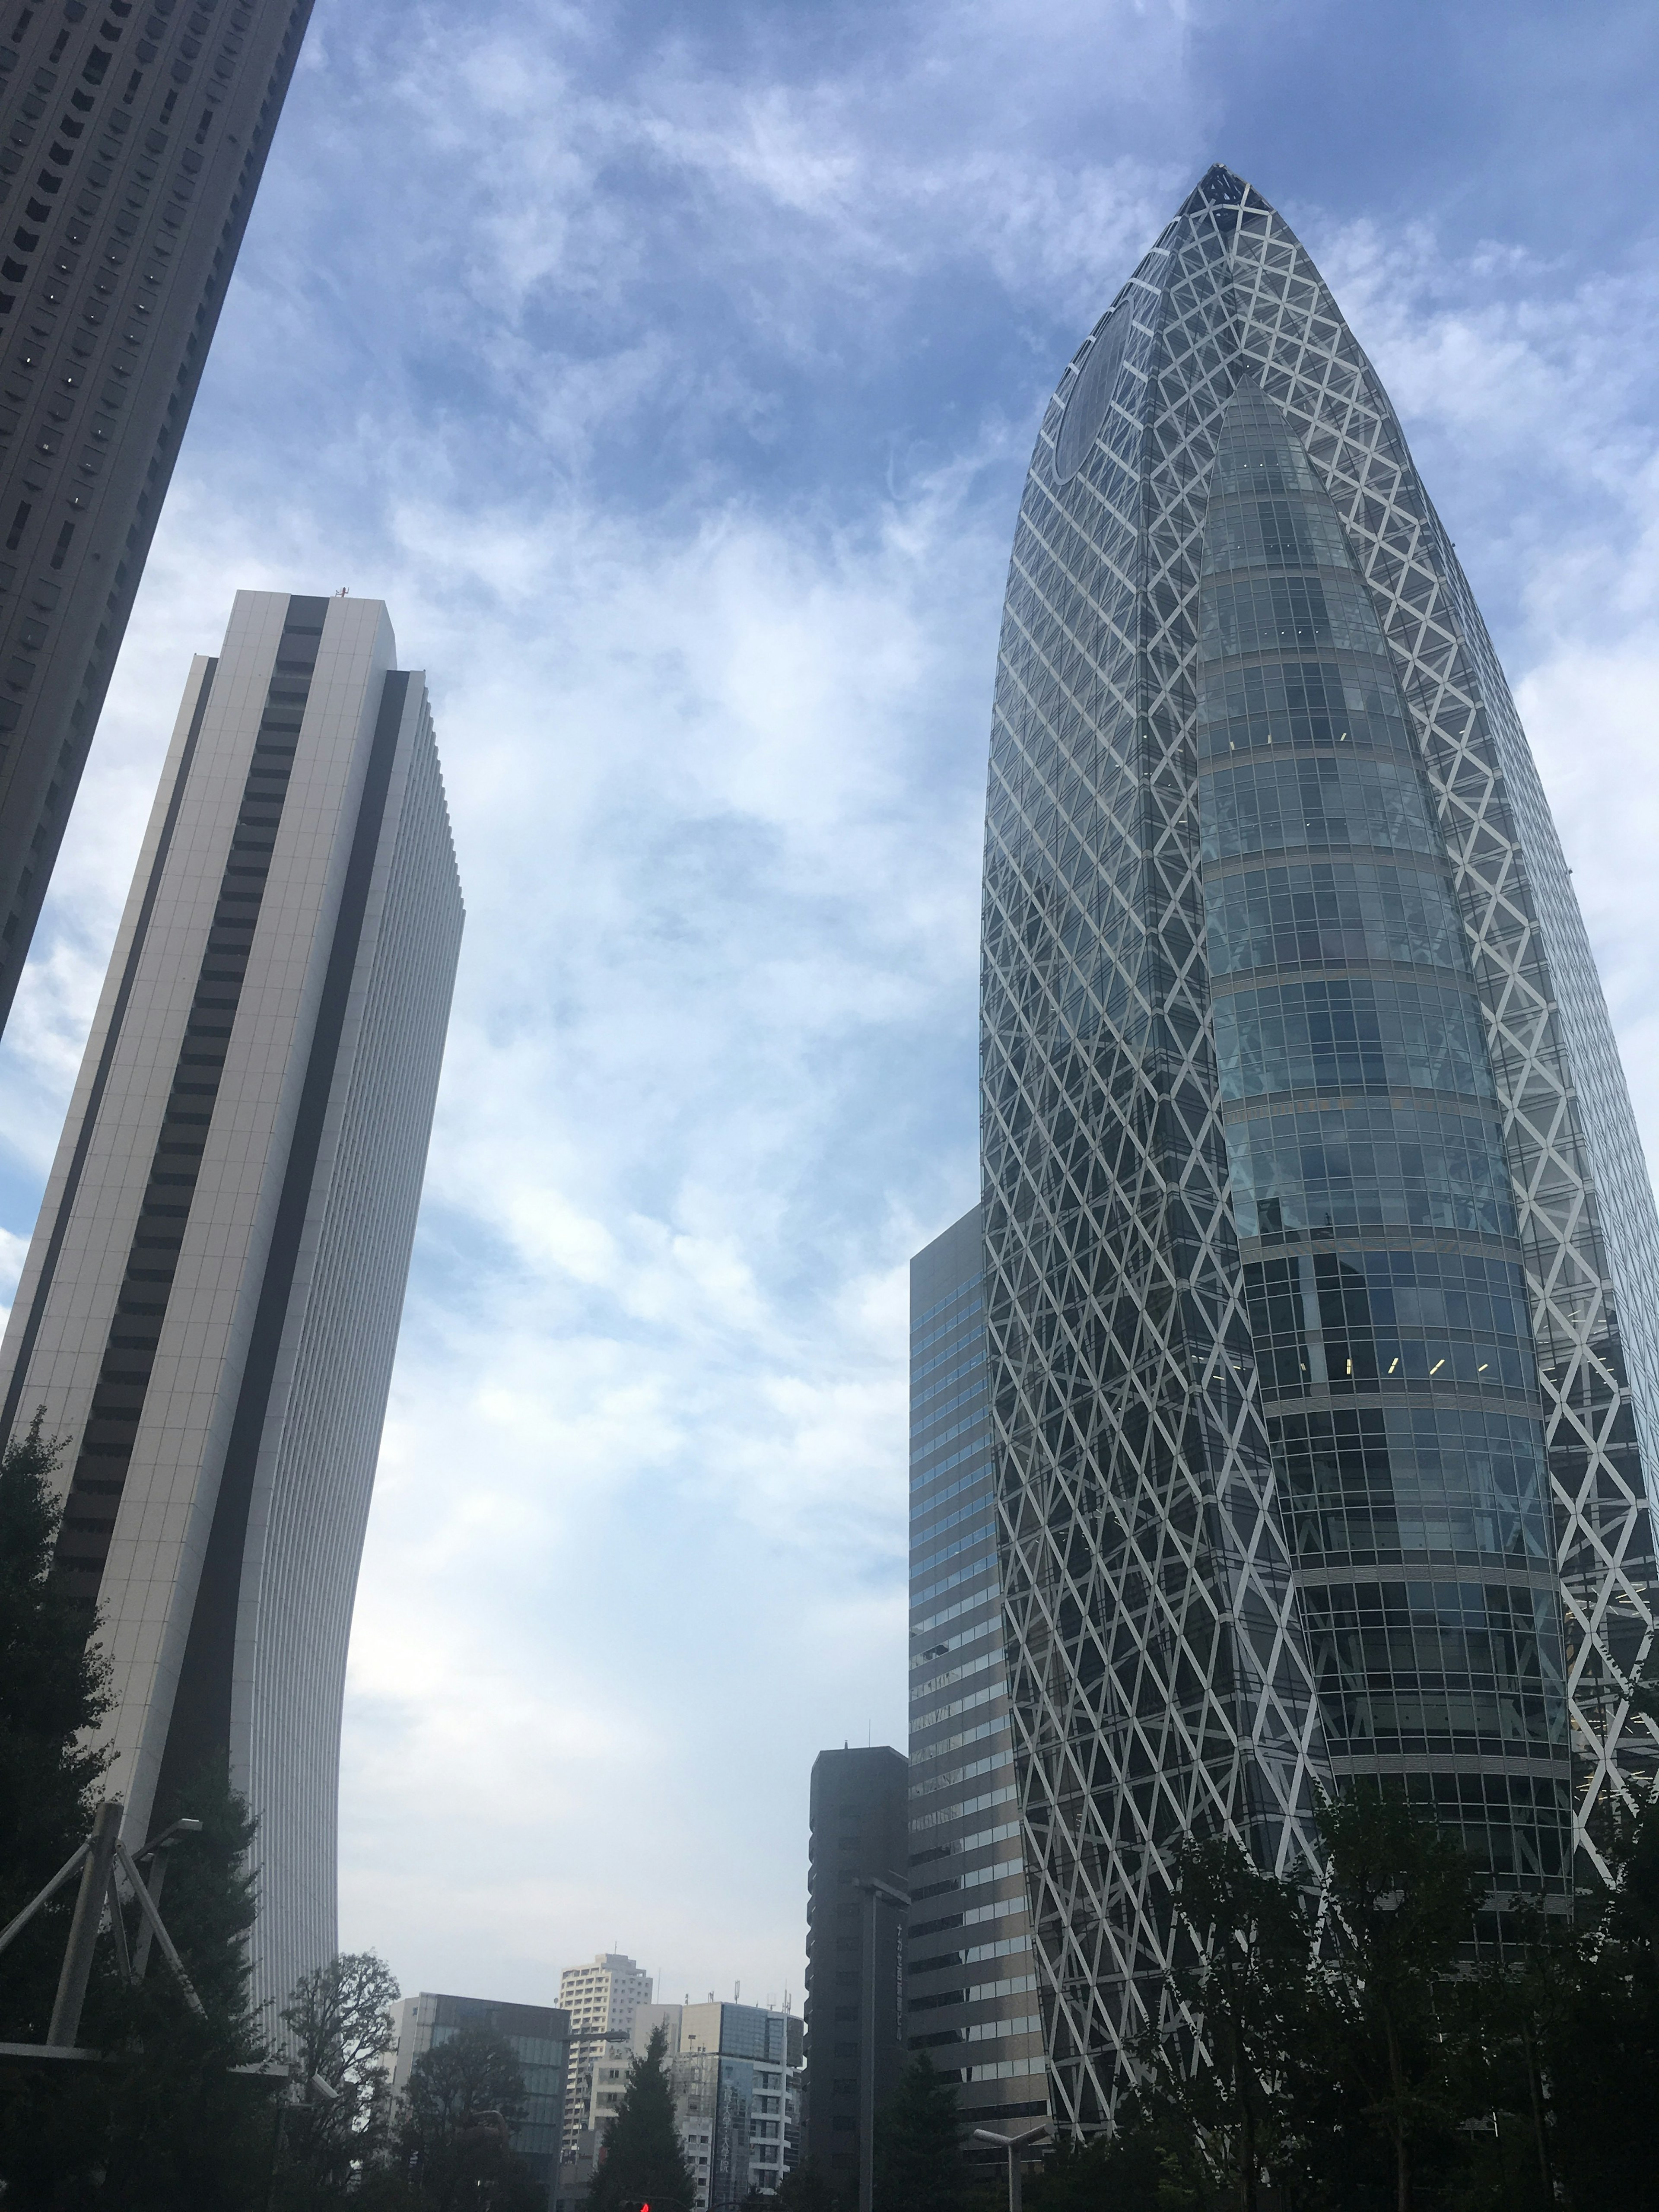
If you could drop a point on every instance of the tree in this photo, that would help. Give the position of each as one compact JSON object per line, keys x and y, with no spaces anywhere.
{"x":918,"y":2164}
{"x":1602,"y":2036}
{"x":1247,"y":1982}
{"x":463,"y":2097}
{"x":1402,"y":1894}
{"x":54,"y":1690}
{"x":183,"y":2128}
{"x":642,"y":2161}
{"x":803,"y":2188}
{"x":1136,"y":2169}
{"x":339,"y":2024}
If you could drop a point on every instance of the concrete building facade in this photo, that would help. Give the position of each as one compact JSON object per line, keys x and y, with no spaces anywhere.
{"x":132,"y":145}
{"x":211,"y":1299}
{"x":601,"y":1997}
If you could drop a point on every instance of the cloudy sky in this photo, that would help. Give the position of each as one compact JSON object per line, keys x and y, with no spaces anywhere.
{"x":671,"y":370}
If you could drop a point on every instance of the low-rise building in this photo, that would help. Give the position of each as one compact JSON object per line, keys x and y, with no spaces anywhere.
{"x":732,"y":2067}
{"x":539,"y":2039}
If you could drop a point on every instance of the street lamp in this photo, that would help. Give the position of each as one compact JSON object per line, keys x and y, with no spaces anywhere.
{"x":1013,"y":2145}
{"x":875,"y":1892}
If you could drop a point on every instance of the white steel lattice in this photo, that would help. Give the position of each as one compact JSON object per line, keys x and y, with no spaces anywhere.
{"x":1159,"y":1670}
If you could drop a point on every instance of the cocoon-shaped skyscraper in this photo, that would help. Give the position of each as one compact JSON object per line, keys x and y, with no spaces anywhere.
{"x":209,"y":1307}
{"x":1321,"y":1267}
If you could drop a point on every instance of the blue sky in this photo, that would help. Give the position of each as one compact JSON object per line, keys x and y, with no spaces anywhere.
{"x":672,"y":372}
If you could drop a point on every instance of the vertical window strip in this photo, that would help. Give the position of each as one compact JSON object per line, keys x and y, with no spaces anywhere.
{"x":118,"y":1401}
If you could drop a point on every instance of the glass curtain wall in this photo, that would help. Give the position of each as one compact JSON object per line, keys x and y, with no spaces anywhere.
{"x":1322,"y":1268}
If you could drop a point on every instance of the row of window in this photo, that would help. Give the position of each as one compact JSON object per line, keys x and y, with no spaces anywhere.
{"x":1280,"y":531}
{"x":1378,"y":1483}
{"x":1286,"y":613}
{"x":1341,"y":799}
{"x":1326,"y":913}
{"x":1300,"y":706}
{"x":1368,"y":1165}
{"x":1350,"y":1034}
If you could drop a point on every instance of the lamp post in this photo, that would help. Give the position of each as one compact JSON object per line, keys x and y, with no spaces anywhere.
{"x":1013,"y":2145}
{"x":876,"y":1893}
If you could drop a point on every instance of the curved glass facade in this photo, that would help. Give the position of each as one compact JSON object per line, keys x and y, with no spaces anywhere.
{"x":1319,"y":1254}
{"x":1424,"y":1665}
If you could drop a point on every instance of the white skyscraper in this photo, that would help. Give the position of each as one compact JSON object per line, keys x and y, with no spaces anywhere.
{"x":210,"y":1305}
{"x":600,"y":1996}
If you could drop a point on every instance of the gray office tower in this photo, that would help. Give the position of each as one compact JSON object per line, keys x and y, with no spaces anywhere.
{"x":854,"y":2006}
{"x":132,"y":139}
{"x":970,"y":1971}
{"x":1321,"y":1289}
{"x":210,"y":1302}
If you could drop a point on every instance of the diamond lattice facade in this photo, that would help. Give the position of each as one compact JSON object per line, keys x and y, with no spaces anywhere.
{"x":1322,"y":1268}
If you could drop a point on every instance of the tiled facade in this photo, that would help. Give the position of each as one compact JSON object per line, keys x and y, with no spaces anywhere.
{"x":209,"y":1306}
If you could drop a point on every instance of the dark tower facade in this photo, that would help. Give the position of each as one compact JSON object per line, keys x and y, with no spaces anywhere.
{"x":1322,"y":1270}
{"x":854,"y":2008}
{"x":132,"y":139}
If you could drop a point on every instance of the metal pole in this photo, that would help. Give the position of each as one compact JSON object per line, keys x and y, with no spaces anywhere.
{"x":152,"y":1919}
{"x":83,"y":1927}
{"x":868,"y":2068}
{"x":157,"y":1878}
{"x":1013,"y":2145}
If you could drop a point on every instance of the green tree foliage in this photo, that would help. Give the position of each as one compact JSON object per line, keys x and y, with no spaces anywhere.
{"x":1248,"y":1978}
{"x":339,"y":2027}
{"x":463,"y":2097}
{"x":918,"y":2165}
{"x":164,"y":2122}
{"x":1601,"y":2033}
{"x":54,"y":1692}
{"x":642,"y":2162}
{"x":1401,"y":1895}
{"x":803,"y":2188}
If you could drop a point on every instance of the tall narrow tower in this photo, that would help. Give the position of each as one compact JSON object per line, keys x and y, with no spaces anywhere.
{"x":1322,"y":1266}
{"x":132,"y":139}
{"x":969,"y":1971}
{"x":210,"y":1302}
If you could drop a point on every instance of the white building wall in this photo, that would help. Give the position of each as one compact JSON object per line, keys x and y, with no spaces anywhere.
{"x":316,"y":1460}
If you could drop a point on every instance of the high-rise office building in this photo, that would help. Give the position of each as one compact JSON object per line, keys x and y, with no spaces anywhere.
{"x":970,"y":1969}
{"x":855,"y":1993}
{"x":1320,"y":1260}
{"x":211,"y":1302}
{"x":132,"y":140}
{"x":538,"y":2036}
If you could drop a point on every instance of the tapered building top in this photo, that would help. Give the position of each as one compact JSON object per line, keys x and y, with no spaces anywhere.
{"x":1323,"y":1270}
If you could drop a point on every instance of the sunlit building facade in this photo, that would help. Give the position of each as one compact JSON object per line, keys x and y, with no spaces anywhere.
{"x":209,"y":1307}
{"x":1322,"y":1266}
